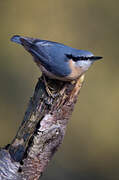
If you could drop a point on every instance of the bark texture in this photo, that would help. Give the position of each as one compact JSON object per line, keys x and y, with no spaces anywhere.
{"x":41,"y":131}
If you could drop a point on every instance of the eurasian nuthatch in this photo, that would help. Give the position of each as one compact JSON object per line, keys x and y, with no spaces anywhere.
{"x":57,"y":61}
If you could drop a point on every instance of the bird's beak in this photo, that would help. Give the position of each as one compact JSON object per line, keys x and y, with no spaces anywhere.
{"x":95,"y":58}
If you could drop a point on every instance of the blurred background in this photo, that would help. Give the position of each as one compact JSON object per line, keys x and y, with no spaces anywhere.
{"x":90,"y":150}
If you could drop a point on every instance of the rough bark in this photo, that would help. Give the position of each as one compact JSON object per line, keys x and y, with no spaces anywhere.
{"x":41,"y":131}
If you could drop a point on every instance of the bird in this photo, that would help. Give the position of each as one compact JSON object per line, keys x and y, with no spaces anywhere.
{"x":56,"y":60}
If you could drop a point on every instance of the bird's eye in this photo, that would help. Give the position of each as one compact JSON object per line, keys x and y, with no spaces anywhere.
{"x":74,"y":58}
{"x":77,"y":58}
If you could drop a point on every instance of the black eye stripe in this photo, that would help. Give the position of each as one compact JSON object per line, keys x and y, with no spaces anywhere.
{"x":77,"y":58}
{"x":84,"y":58}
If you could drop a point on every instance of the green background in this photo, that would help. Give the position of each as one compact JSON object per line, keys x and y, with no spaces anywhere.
{"x":90,"y":150}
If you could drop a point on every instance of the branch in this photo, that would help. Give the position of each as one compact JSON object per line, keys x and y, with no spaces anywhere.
{"x":41,"y":131}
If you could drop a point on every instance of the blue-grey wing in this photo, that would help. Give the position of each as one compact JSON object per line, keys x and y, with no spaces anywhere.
{"x":51,"y":57}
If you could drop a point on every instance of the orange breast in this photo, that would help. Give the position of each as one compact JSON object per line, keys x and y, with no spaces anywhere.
{"x":76,"y":71}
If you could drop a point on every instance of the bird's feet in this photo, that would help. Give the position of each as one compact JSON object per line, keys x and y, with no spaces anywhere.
{"x":50,"y":90}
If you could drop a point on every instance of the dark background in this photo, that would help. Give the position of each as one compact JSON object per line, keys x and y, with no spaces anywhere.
{"x":90,"y":150}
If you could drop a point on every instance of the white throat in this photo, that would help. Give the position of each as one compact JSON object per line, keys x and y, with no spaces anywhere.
{"x":84,"y":64}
